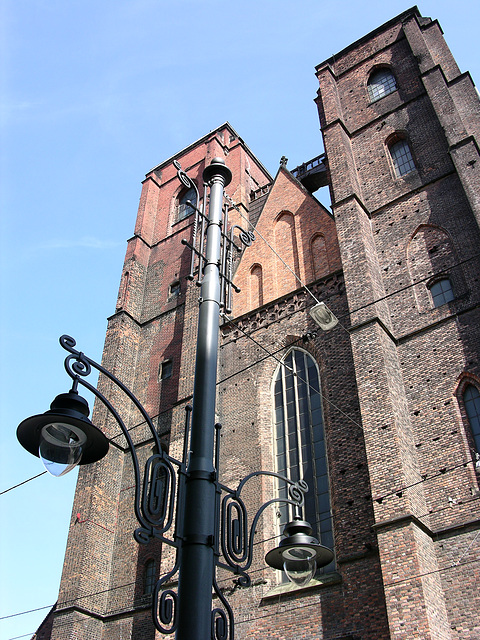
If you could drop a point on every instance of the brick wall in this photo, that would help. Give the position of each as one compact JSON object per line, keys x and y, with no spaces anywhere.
{"x":395,"y":235}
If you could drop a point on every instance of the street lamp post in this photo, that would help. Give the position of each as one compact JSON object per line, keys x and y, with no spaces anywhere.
{"x":197,"y":565}
{"x":210,"y":522}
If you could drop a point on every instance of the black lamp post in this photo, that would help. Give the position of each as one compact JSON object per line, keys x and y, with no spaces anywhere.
{"x":210,"y":528}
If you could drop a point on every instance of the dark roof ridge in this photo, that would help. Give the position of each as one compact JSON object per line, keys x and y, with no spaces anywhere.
{"x":225,"y":125}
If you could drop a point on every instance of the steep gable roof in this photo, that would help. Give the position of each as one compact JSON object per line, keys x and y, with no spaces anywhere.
{"x":285,"y":253}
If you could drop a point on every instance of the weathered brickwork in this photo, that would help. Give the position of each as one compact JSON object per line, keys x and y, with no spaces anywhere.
{"x":397,"y":236}
{"x":245,"y":410}
{"x":404,"y":489}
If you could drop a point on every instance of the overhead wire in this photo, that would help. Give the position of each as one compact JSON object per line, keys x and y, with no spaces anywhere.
{"x":307,"y":289}
{"x":282,"y":363}
{"x":302,"y":284}
{"x":22,"y":483}
{"x":270,"y":354}
{"x":292,"y":313}
{"x":409,"y":286}
{"x":22,"y":613}
{"x":226,"y":580}
{"x":257,"y":232}
{"x":325,"y":594}
{"x":277,"y":536}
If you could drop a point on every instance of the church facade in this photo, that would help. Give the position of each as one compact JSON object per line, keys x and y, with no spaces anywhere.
{"x":380,"y":414}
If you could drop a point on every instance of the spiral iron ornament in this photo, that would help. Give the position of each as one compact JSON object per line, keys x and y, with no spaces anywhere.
{"x":237,"y":536}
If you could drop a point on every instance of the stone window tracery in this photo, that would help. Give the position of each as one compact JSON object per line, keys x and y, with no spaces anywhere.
{"x":300,"y":440}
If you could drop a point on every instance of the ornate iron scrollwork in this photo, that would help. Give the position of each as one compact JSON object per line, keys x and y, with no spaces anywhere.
{"x":222,"y":619}
{"x":236,"y":535}
{"x":156,"y":494}
{"x":162,"y":489}
{"x":165,"y":602}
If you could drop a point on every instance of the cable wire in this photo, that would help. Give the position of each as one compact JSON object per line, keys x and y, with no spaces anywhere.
{"x":21,"y":483}
{"x":282,"y":363}
{"x":304,"y":286}
{"x":22,"y":613}
{"x":263,"y":541}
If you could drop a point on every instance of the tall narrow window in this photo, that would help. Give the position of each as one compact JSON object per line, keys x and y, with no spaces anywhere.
{"x":471,"y":400}
{"x":185,"y":209}
{"x":402,"y":158}
{"x":300,"y":442}
{"x":380,"y":84}
{"x":149,"y":577}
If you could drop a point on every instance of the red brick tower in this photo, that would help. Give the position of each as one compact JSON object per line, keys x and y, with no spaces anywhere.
{"x":150,"y":347}
{"x":400,"y":126}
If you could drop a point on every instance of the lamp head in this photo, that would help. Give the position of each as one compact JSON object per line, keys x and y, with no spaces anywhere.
{"x":217,"y":166}
{"x":63,"y":436}
{"x":323,"y":317}
{"x":299,"y":554}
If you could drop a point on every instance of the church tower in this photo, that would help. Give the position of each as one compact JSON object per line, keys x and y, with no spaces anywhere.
{"x":150,"y":346}
{"x":400,"y":125}
{"x":379,"y":414}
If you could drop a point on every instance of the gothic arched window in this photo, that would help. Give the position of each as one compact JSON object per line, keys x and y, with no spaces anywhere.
{"x":380,"y":84}
{"x":401,"y":157}
{"x":471,"y":401}
{"x":300,"y":439}
{"x":184,"y":209}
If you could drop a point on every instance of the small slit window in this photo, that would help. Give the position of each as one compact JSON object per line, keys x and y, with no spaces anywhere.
{"x":442,"y":292}
{"x":402,"y":158}
{"x":471,"y":400}
{"x":149,"y":577}
{"x":380,"y":84}
{"x":174,"y":290}
{"x":166,"y":369}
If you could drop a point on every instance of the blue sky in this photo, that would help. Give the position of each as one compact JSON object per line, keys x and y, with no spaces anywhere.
{"x":93,"y":95}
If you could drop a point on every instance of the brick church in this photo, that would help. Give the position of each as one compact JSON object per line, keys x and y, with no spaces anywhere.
{"x":380,"y":414}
